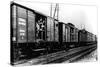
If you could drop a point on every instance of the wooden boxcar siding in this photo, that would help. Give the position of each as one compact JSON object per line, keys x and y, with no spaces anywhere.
{"x":76,"y":35}
{"x":67,"y":33}
{"x":22,"y":24}
{"x":64,"y":33}
{"x":22,"y":20}
{"x":49,"y":23}
{"x":82,"y":36}
{"x":50,"y":29}
{"x":72,"y":35}
{"x":85,"y":38}
{"x":56,"y":31}
{"x":93,"y":37}
{"x":88,"y":36}
{"x":31,"y":26}
{"x":14,"y":23}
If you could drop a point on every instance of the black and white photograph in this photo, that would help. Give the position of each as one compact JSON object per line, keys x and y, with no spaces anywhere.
{"x":46,"y":33}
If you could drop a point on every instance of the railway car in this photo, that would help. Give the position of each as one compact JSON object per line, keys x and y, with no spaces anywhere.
{"x":82,"y":37}
{"x":91,"y":38}
{"x":32,"y":32}
{"x":52,"y":41}
{"x":68,"y":35}
{"x":22,"y":31}
{"x":73,"y":33}
{"x":86,"y":38}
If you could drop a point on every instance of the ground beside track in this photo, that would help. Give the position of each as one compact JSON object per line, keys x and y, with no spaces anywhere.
{"x":91,"y":57}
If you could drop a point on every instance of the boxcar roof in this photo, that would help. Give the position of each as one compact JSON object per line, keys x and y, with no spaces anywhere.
{"x":13,"y":3}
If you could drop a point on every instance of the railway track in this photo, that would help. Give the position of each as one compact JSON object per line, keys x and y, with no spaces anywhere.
{"x":72,"y":57}
{"x":61,"y":56}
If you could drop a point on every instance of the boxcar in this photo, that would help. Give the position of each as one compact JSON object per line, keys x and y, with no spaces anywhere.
{"x":52,"y":29}
{"x":27,"y":28}
{"x":31,"y":30}
{"x":52,"y":33}
{"x":85,"y":37}
{"x":72,"y":34}
{"x":82,"y":36}
{"x":68,"y":34}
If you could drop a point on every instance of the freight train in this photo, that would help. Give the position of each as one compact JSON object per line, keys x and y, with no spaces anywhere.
{"x":33,"y":32}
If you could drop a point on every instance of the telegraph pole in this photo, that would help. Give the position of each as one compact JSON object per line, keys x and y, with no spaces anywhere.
{"x":51,"y":10}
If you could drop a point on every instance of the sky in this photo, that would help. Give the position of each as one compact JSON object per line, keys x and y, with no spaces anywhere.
{"x":81,"y":16}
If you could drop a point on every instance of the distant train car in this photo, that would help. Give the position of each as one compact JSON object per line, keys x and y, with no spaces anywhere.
{"x":91,"y":38}
{"x":82,"y":35}
{"x":85,"y":37}
{"x":73,"y":34}
{"x":68,"y":34}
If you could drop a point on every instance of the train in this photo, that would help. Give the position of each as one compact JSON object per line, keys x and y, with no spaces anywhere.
{"x":33,"y":32}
